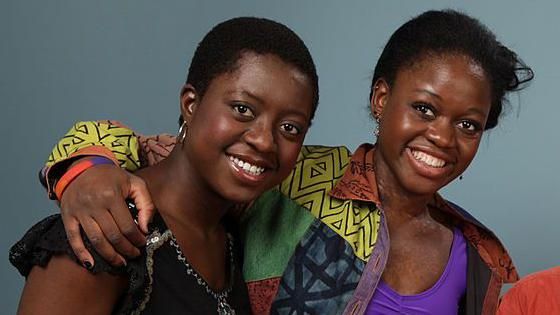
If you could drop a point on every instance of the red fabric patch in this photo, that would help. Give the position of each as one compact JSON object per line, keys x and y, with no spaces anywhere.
{"x":262,"y":293}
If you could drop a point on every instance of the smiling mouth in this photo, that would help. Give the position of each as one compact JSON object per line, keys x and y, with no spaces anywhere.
{"x":428,"y":159}
{"x":246,"y":166}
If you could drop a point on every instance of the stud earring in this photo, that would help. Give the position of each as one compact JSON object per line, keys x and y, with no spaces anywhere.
{"x":182,"y":134}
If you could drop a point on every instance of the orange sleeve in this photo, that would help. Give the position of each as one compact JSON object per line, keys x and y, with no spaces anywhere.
{"x":538,"y":293}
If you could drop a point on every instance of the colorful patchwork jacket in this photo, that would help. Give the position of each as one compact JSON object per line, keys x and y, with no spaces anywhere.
{"x":318,"y":243}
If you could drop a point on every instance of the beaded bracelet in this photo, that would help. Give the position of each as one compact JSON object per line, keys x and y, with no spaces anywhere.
{"x":76,"y":170}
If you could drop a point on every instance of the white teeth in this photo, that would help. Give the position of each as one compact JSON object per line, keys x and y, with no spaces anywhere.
{"x":428,"y":159}
{"x":247,"y":167}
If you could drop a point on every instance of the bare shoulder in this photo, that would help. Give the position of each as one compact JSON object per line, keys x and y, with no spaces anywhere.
{"x":64,"y":287}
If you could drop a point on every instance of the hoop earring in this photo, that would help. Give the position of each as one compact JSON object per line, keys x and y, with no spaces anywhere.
{"x":182,"y":134}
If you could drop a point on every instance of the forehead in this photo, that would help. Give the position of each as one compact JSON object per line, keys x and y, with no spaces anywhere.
{"x":447,"y":73}
{"x":429,"y":62}
{"x":254,"y":64}
{"x":268,"y":78}
{"x":452,"y":78}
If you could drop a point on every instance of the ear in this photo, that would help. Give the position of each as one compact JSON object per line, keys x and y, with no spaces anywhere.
{"x":189,"y":101}
{"x":379,"y":96}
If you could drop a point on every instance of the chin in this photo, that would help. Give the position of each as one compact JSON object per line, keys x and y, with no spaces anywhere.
{"x":242,"y":196}
{"x":423,"y":186}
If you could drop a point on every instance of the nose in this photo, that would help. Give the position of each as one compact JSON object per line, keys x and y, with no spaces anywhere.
{"x":442,"y":133}
{"x":260,"y":136}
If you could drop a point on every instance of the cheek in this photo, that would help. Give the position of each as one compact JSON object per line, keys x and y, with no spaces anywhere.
{"x":212,"y":128}
{"x":221,"y":128}
{"x":398,"y":127}
{"x":408,"y":123}
{"x":397,"y":116}
{"x":468,"y":150}
{"x":288,"y":156}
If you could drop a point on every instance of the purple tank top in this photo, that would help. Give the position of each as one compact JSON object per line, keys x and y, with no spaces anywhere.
{"x":442,"y":298}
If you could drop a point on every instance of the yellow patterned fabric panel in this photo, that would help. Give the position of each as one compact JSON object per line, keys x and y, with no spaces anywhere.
{"x":121,"y":141}
{"x":317,"y":171}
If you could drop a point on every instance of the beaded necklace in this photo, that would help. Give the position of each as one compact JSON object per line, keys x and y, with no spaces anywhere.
{"x":221,"y":297}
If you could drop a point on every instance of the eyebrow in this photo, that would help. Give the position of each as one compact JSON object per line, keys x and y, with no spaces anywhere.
{"x":260,"y":100}
{"x":434,"y":94}
{"x":476,"y":111}
{"x":470,"y":110}
{"x":251,"y":95}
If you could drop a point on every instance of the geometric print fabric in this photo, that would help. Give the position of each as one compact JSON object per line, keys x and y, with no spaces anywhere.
{"x":320,"y":277}
{"x":111,"y":135}
{"x":317,"y":171}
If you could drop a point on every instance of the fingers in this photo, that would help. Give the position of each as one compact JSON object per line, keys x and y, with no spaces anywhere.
{"x":72,"y":227}
{"x":100,"y":242}
{"x":141,"y":196}
{"x":121,"y":230}
{"x":95,"y":200}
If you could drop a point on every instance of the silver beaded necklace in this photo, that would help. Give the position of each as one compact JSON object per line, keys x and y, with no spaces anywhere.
{"x":223,"y":307}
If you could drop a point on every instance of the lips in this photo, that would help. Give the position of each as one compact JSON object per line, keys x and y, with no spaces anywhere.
{"x":428,"y":159}
{"x":428,"y":165}
{"x":247,"y":167}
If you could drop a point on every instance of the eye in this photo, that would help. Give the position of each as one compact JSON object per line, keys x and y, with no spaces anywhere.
{"x":290,"y":128}
{"x":425,"y":110}
{"x":243,"y":110}
{"x":469,"y":126}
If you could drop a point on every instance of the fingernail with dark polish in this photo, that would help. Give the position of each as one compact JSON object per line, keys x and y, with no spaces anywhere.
{"x":88,"y":265}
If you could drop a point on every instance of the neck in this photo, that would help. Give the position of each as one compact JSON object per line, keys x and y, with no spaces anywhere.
{"x":400,"y":206}
{"x":182,"y":197}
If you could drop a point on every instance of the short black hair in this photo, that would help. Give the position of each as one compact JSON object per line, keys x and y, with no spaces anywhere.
{"x":449,"y":31}
{"x":223,"y":46}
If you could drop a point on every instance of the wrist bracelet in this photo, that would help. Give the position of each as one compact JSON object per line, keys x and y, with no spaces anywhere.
{"x":76,"y":170}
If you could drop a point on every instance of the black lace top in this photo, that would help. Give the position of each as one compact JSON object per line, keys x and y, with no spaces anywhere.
{"x":158,"y":282}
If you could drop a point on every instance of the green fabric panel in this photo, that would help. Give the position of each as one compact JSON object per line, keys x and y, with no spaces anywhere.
{"x":270,"y":231}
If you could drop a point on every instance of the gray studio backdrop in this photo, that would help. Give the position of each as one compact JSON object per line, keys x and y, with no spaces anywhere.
{"x":62,"y":61}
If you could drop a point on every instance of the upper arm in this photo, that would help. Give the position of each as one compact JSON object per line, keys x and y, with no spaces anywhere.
{"x":103,"y":138}
{"x":109,"y":139}
{"x":64,"y":287}
{"x":511,"y":303}
{"x":117,"y":139}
